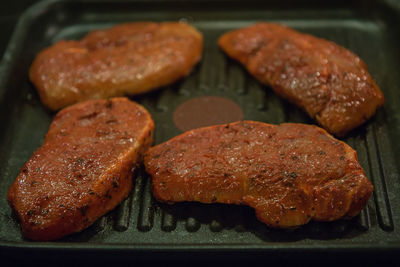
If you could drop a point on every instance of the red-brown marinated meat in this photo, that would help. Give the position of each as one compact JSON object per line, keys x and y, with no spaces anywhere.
{"x":326,"y":80}
{"x":128,"y":59}
{"x":83,"y":168}
{"x":290,"y":174}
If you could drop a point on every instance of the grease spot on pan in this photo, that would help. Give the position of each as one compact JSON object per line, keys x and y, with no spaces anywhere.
{"x":205,"y":111}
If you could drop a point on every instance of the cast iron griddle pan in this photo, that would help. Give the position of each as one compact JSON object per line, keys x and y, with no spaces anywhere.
{"x":140,"y":226}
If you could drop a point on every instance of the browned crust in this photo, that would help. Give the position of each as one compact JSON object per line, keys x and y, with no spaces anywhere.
{"x":290,"y":174}
{"x":45,"y":204}
{"x":127,"y":59}
{"x":326,"y":80}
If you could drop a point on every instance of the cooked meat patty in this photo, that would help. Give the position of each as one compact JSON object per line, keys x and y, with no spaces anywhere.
{"x":326,"y":80}
{"x":127,"y":59}
{"x":83,"y":168}
{"x":290,"y":174}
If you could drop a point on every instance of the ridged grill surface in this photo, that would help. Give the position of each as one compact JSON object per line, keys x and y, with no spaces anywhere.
{"x":142,"y":220}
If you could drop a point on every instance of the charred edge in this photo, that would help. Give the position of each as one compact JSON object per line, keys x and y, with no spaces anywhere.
{"x":115,"y":183}
{"x":83,"y":209}
{"x":109,"y":104}
{"x":89,"y":116}
{"x":257,"y":48}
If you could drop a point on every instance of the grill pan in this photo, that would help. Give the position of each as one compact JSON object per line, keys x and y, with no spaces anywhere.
{"x":141,"y":227}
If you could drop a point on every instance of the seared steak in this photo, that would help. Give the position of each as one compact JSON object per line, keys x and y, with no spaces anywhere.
{"x":83,"y":168}
{"x":126,"y":59}
{"x":290,"y":174}
{"x":326,"y":80}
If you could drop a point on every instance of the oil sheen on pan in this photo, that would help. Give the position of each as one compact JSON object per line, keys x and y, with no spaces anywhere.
{"x":326,"y":80}
{"x":205,"y":111}
{"x":289,"y":173}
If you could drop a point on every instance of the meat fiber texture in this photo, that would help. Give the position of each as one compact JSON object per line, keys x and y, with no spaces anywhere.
{"x":326,"y":80}
{"x":127,"y":59}
{"x":290,"y":174}
{"x":83,"y":168}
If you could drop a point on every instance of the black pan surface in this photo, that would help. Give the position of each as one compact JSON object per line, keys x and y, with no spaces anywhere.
{"x":142,"y":227}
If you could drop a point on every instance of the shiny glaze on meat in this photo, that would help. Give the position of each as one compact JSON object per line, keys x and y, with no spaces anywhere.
{"x":83,"y":168}
{"x":326,"y":80}
{"x":126,"y":59}
{"x":290,"y":174}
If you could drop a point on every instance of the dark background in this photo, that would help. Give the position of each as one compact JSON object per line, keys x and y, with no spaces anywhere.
{"x":9,"y":14}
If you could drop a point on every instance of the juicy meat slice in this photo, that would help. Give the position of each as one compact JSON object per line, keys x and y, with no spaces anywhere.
{"x":83,"y":168}
{"x":326,"y":80}
{"x":128,"y":59}
{"x":290,"y":174}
